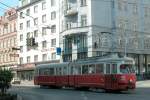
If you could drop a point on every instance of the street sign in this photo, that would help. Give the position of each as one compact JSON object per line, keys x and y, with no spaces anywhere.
{"x":14,"y":55}
{"x":58,"y":51}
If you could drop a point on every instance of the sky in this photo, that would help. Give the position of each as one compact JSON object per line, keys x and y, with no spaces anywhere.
{"x":11,"y":3}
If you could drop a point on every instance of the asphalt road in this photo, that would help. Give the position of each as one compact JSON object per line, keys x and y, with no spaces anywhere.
{"x":36,"y":93}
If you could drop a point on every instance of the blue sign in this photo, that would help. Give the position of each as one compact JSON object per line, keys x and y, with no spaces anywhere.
{"x":58,"y":51}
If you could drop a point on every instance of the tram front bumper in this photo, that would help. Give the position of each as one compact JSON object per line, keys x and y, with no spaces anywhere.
{"x":126,"y":86}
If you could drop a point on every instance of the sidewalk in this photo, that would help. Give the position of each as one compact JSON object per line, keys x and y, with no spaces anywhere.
{"x":145,"y":83}
{"x":25,"y":83}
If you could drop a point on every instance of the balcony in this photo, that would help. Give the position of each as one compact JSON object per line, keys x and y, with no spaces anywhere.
{"x":71,"y":11}
{"x":73,"y":28}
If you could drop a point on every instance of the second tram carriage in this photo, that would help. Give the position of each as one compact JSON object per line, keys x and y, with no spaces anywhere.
{"x":112,"y":73}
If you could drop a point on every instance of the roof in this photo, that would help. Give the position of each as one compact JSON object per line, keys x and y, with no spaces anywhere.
{"x":111,"y":58}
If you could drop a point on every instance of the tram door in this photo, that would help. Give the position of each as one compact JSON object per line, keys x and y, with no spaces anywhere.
{"x":111,"y":77}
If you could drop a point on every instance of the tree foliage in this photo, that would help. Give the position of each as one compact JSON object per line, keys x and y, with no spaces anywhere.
{"x":5,"y":79}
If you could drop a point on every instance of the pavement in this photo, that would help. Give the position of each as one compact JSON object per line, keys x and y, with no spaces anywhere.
{"x":25,"y":83}
{"x":144,"y":83}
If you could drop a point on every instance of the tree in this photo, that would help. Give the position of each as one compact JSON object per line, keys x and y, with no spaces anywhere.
{"x":5,"y":79}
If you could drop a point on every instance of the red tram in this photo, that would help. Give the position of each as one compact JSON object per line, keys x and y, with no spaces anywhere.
{"x":111,"y":73}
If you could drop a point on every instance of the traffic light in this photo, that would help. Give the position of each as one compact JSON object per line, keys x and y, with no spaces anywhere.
{"x":32,"y":41}
{"x":28,"y":42}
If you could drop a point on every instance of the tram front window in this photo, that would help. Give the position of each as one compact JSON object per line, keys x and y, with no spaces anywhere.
{"x":126,"y":68}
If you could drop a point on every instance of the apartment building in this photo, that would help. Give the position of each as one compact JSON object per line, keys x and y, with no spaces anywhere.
{"x":38,"y":21}
{"x":82,"y":29}
{"x":8,"y":39}
{"x":99,"y":27}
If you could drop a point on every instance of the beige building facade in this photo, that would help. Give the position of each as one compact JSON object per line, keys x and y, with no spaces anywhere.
{"x":8,"y":39}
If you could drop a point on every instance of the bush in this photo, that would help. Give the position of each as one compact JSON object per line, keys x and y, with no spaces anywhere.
{"x":5,"y":79}
{"x":8,"y":97}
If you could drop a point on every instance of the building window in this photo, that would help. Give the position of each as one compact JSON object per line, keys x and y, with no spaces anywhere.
{"x":53,"y":29}
{"x":21,"y":15}
{"x":44,"y":57}
{"x":15,"y":27}
{"x":28,"y":12}
{"x":35,"y":58}
{"x":35,"y":21}
{"x":83,"y":2}
{"x":10,"y":27}
{"x":83,"y":20}
{"x":44,"y":45}
{"x":146,"y":11}
{"x":28,"y":59}
{"x":28,"y":23}
{"x":36,"y":33}
{"x":28,"y":35}
{"x":21,"y":49}
{"x":35,"y":9}
{"x":52,"y":2}
{"x":44,"y":31}
{"x":53,"y":15}
{"x":21,"y":37}
{"x":43,"y":5}
{"x":24,"y":2}
{"x":21,"y":26}
{"x":134,"y":26}
{"x":21,"y":60}
{"x":53,"y":56}
{"x":43,"y":18}
{"x":125,"y":5}
{"x":135,"y":9}
{"x":53,"y":43}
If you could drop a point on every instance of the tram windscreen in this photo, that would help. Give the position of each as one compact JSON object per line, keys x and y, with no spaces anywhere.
{"x":127,"y":68}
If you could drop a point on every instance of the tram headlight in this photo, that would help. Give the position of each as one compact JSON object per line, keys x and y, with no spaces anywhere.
{"x":130,"y":80}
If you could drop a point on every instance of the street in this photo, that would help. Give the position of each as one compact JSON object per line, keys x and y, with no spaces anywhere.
{"x":36,"y":93}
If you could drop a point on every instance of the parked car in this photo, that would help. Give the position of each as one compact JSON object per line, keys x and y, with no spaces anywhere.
{"x":16,"y":81}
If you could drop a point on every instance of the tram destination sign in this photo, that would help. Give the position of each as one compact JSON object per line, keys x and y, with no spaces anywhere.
{"x":128,"y":62}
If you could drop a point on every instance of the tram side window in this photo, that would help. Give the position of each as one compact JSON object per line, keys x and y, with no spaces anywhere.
{"x":75,"y":70}
{"x":84,"y":69}
{"x":107,"y":68}
{"x":51,"y":71}
{"x":91,"y":69}
{"x":65,"y":71}
{"x":58,"y":71}
{"x":99,"y":68}
{"x":114,"y":68}
{"x":44,"y":71}
{"x":79,"y":70}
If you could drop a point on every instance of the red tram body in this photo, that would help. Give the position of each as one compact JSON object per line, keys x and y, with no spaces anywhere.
{"x":112,"y":73}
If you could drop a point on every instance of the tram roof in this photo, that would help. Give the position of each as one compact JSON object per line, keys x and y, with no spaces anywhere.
{"x":52,"y":65}
{"x":112,"y":58}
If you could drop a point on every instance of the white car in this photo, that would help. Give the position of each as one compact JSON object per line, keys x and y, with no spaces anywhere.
{"x":16,"y":81}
